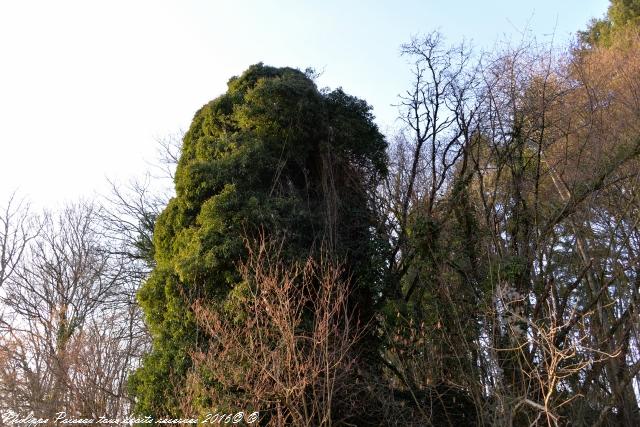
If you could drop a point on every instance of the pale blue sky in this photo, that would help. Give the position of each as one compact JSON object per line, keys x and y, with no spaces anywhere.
{"x":86,"y":87}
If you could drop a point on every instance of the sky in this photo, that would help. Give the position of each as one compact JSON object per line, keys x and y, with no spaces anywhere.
{"x":87,"y":88}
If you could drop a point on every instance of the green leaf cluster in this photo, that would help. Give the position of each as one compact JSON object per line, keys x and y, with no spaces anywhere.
{"x":622,"y":15}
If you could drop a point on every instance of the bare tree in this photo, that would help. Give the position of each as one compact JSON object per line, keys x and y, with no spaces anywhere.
{"x":16,"y":230}
{"x":71,"y":330}
{"x":438,"y":111}
{"x":169,"y":151}
{"x":128,"y":216}
{"x":129,"y":212}
{"x":514,"y":235}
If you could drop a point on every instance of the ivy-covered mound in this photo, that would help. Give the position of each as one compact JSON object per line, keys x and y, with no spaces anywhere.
{"x":275,"y":156}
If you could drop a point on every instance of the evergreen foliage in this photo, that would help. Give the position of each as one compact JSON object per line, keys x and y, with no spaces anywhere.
{"x":272,"y":156}
{"x":622,"y":15}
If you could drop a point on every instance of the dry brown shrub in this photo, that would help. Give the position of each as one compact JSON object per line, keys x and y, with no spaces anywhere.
{"x":284,"y":343}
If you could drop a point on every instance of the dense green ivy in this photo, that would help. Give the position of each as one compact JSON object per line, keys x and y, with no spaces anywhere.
{"x":276,"y":156}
